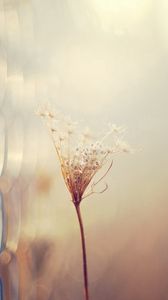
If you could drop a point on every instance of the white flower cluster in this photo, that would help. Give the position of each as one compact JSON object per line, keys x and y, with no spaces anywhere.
{"x":80,"y":155}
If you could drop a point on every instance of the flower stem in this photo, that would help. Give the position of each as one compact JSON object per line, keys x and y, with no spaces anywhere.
{"x":85,"y":271}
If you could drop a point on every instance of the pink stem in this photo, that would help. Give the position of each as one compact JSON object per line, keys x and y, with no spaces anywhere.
{"x":85,"y":272}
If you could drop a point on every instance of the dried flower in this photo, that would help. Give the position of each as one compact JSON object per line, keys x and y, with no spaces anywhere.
{"x":80,"y":154}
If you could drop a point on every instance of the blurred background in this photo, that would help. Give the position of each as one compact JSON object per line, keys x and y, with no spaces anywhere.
{"x":99,"y":61}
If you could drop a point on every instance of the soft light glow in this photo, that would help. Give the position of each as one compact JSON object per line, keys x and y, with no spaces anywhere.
{"x":120,"y":13}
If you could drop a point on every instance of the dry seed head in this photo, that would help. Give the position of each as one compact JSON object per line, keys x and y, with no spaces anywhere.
{"x":80,"y":159}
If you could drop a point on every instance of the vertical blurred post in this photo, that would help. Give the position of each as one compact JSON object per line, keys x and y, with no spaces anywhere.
{"x":4,"y":278}
{"x":9,"y":209}
{"x":1,"y":290}
{"x":3,"y":141}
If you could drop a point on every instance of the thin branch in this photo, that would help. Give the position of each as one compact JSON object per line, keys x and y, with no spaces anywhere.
{"x":104,"y":174}
{"x":94,"y":184}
